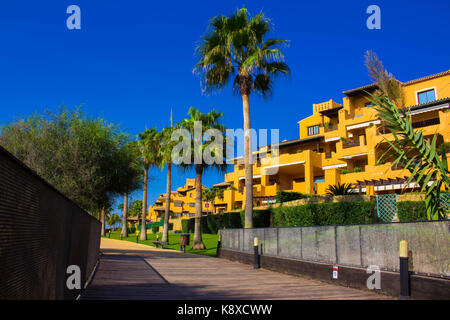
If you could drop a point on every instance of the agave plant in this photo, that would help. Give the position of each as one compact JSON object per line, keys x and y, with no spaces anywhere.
{"x":344,"y":189}
{"x":428,"y":166}
{"x":408,"y":149}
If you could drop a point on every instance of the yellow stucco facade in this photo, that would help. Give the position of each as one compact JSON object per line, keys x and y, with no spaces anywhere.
{"x":339,"y":142}
{"x":342,"y":142}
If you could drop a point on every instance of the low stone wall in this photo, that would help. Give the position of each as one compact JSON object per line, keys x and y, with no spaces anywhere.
{"x":353,"y":245}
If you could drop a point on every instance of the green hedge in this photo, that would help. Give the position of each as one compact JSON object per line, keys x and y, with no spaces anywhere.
{"x":155,"y":228}
{"x":321,"y":214}
{"x":228,"y":220}
{"x":283,"y":196}
{"x":411,"y":210}
{"x":261,"y":218}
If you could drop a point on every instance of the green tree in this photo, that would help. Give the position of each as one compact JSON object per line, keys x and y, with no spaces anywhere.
{"x":149,"y":145}
{"x":113,"y":219}
{"x":166,"y":148}
{"x":208,"y":144}
{"x":132,"y":178}
{"x":79,"y":155}
{"x":409,"y":147}
{"x":236,"y":46}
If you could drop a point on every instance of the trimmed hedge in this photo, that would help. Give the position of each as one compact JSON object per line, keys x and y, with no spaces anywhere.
{"x":228,"y":220}
{"x":411,"y":210}
{"x":313,"y":214}
{"x":284,"y":196}
{"x":321,"y":214}
{"x":155,"y":228}
{"x":261,"y":218}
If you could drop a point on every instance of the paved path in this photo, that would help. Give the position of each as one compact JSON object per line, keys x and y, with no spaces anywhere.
{"x":134,"y":271}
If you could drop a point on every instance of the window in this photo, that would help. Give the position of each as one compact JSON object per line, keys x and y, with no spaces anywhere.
{"x":426,"y":96}
{"x":319,"y":179}
{"x":368,"y":104}
{"x":313,"y":130}
{"x":192,"y":205}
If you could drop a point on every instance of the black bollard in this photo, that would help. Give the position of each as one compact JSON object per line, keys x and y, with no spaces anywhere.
{"x":121,"y":236}
{"x":256,"y":261}
{"x":405,"y":293}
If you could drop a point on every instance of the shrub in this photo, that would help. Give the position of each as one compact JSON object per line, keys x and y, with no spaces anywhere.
{"x":187,"y":225}
{"x":411,"y":210}
{"x":344,"y":171}
{"x":283,"y":196}
{"x":261,"y":218}
{"x":357,"y":169}
{"x":321,"y":214}
{"x":155,"y":228}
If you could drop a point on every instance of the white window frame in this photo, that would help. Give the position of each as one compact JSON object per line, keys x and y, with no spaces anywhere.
{"x":426,"y":89}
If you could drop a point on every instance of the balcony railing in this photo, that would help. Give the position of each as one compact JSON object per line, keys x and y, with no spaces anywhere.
{"x":426,"y":123}
{"x":332,"y":127}
{"x":328,"y":155}
{"x":350,"y":143}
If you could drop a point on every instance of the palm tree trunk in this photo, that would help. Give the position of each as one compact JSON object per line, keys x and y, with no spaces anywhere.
{"x":103,"y":221}
{"x":125,"y":216}
{"x":248,"y":163}
{"x":198,"y":243}
{"x":144,"y":205}
{"x":165,"y":237}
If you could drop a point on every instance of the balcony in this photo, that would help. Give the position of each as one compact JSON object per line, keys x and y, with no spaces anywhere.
{"x":350,"y":143}
{"x":331,"y":127}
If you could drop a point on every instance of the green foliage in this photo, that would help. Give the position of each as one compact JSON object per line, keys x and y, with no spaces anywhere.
{"x":261,"y":218}
{"x":410,"y":149}
{"x":344,"y":171}
{"x":235,"y":49}
{"x":411,"y":210}
{"x":340,"y":189}
{"x":87,"y":159}
{"x":321,"y":214}
{"x":357,"y":169}
{"x":284,"y":196}
{"x":155,"y":228}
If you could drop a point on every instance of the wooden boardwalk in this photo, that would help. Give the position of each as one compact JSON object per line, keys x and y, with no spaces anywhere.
{"x":134,"y":271}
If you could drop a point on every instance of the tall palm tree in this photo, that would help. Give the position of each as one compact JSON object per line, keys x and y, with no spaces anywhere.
{"x":236,"y":46}
{"x":131,"y":177}
{"x":149,"y":145}
{"x":166,"y":158}
{"x":204,"y":122}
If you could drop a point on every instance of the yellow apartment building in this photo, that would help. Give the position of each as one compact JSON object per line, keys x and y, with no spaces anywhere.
{"x":182,"y":204}
{"x":339,"y":142}
{"x":342,"y":142}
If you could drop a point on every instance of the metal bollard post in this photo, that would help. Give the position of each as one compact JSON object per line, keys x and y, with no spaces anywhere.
{"x":404,"y":273}
{"x":256,"y":261}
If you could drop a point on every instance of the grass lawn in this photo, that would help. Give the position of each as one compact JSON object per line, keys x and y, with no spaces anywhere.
{"x":210,"y":241}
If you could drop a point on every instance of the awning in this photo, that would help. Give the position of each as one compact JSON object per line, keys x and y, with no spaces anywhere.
{"x":283,"y":165}
{"x":332,"y":139}
{"x":362,"y":125}
{"x":340,"y":165}
{"x":428,"y":109}
{"x":355,"y":155}
{"x":254,"y":177}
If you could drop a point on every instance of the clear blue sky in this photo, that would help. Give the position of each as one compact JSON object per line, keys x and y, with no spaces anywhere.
{"x":132,"y":61}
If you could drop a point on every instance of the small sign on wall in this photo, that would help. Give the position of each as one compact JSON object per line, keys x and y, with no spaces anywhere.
{"x":335,"y":272}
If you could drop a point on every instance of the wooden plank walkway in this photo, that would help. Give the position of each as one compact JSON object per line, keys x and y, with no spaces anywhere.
{"x":133,"y":271}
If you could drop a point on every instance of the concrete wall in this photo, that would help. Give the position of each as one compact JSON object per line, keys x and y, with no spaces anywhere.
{"x":42,"y":232}
{"x":353,"y":245}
